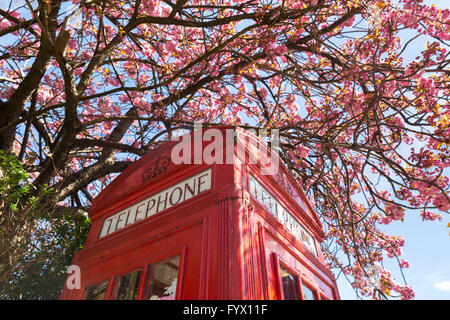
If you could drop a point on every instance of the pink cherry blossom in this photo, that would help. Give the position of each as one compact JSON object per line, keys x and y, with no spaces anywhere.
{"x":404,"y":263}
{"x":442,"y":202}
{"x":395,"y":211}
{"x":170,"y":46}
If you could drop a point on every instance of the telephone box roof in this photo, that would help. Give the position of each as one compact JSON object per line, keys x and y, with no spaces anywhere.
{"x":157,"y":164}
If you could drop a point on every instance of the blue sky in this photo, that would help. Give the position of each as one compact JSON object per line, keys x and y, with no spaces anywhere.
{"x":427,"y":248}
{"x":427,"y":243}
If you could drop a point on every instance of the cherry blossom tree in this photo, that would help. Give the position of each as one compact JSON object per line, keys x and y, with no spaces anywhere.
{"x":87,"y":87}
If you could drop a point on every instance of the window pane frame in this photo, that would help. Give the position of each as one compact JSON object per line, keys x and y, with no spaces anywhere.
{"x":306,"y":284}
{"x":282,"y":266}
{"x":149,"y":275}
{"x":87,"y":289}
{"x":278,"y":264}
{"x":117,"y":283}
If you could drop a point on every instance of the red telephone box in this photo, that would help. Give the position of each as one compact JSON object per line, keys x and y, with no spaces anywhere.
{"x":203,"y":229}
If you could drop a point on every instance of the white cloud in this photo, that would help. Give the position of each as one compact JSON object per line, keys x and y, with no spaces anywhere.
{"x":443,"y":285}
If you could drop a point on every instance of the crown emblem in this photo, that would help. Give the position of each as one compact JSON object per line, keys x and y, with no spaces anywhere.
{"x":156,"y":168}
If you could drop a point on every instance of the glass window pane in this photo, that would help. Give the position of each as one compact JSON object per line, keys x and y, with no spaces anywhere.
{"x":127,"y":286}
{"x":263,"y":198}
{"x":308,"y":294}
{"x":280,"y":212}
{"x":252,"y":186}
{"x":289,"y":285}
{"x":161,"y":283}
{"x":273,"y":208}
{"x":96,"y":292}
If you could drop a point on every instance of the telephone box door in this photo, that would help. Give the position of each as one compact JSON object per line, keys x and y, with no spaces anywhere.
{"x":291,"y":276}
{"x":165,"y":267}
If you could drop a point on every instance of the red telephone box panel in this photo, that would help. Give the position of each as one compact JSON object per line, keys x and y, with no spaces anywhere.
{"x":223,"y":229}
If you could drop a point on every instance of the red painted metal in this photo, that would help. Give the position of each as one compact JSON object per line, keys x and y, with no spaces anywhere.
{"x":230,"y":245}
